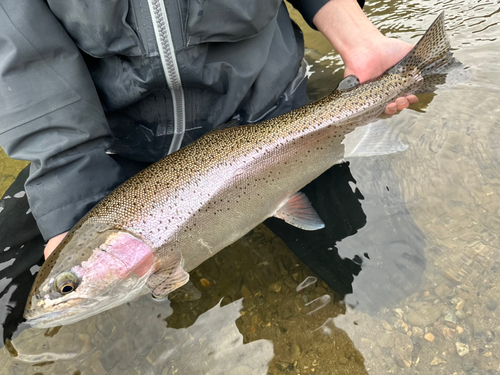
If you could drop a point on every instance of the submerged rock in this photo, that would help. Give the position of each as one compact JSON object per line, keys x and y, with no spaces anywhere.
{"x":437,"y":361}
{"x":429,"y":337}
{"x":462,"y":349}
{"x":424,"y":315}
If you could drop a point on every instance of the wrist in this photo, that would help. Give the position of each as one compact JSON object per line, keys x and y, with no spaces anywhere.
{"x":348,"y":29}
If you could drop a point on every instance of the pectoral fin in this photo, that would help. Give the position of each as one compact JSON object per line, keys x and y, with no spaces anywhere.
{"x":169,"y":276}
{"x":297,"y":211}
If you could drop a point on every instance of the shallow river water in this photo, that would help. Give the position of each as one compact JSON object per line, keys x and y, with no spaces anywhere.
{"x":414,"y":290}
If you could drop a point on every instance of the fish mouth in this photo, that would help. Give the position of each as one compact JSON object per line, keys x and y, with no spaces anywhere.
{"x":67,"y":315}
{"x":59,"y":317}
{"x":78,"y":308}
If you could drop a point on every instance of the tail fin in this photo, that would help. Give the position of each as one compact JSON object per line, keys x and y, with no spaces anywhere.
{"x":434,"y":46}
{"x":431,"y":57}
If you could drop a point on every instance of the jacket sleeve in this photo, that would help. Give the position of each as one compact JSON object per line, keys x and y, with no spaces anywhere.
{"x":309,"y":8}
{"x":50,"y":114}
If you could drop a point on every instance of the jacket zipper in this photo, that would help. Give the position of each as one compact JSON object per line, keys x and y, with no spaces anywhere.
{"x":169,"y":63}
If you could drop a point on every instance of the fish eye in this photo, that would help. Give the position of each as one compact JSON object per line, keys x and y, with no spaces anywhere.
{"x":66,"y":282}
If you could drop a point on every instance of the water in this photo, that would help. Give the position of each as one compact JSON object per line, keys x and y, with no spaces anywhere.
{"x":425,"y":298}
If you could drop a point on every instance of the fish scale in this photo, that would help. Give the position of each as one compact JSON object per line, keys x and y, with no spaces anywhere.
{"x":196,"y":201}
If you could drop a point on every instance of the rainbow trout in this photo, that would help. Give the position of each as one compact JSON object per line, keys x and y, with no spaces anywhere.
{"x":162,"y":223}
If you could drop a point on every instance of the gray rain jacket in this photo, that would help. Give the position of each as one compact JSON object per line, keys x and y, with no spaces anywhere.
{"x":139,"y":78}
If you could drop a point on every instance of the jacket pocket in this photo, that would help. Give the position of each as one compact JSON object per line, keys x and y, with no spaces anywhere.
{"x":228,"y":20}
{"x":100,"y":28}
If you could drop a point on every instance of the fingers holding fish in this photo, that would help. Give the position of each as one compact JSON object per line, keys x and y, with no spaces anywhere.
{"x":412,"y":99}
{"x":400,"y":104}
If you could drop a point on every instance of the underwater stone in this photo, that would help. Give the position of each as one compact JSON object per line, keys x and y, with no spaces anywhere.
{"x":462,"y":349}
{"x":424,"y":315}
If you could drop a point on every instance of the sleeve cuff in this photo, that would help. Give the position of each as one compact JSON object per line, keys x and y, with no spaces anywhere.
{"x":62,"y":196}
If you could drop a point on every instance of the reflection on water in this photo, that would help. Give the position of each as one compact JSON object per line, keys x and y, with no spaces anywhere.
{"x":134,"y":339}
{"x":415,"y":255}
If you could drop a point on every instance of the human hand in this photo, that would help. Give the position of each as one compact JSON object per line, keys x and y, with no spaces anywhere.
{"x":52,"y":244}
{"x":368,"y":63}
{"x":366,"y":53}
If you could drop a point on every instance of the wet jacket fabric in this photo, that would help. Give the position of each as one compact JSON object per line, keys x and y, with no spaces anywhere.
{"x":80,"y":80}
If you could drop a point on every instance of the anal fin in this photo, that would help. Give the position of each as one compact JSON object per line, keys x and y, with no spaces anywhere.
{"x":169,"y":276}
{"x":297,"y":211}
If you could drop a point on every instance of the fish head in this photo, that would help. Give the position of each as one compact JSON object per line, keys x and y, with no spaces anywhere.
{"x":93,"y":269}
